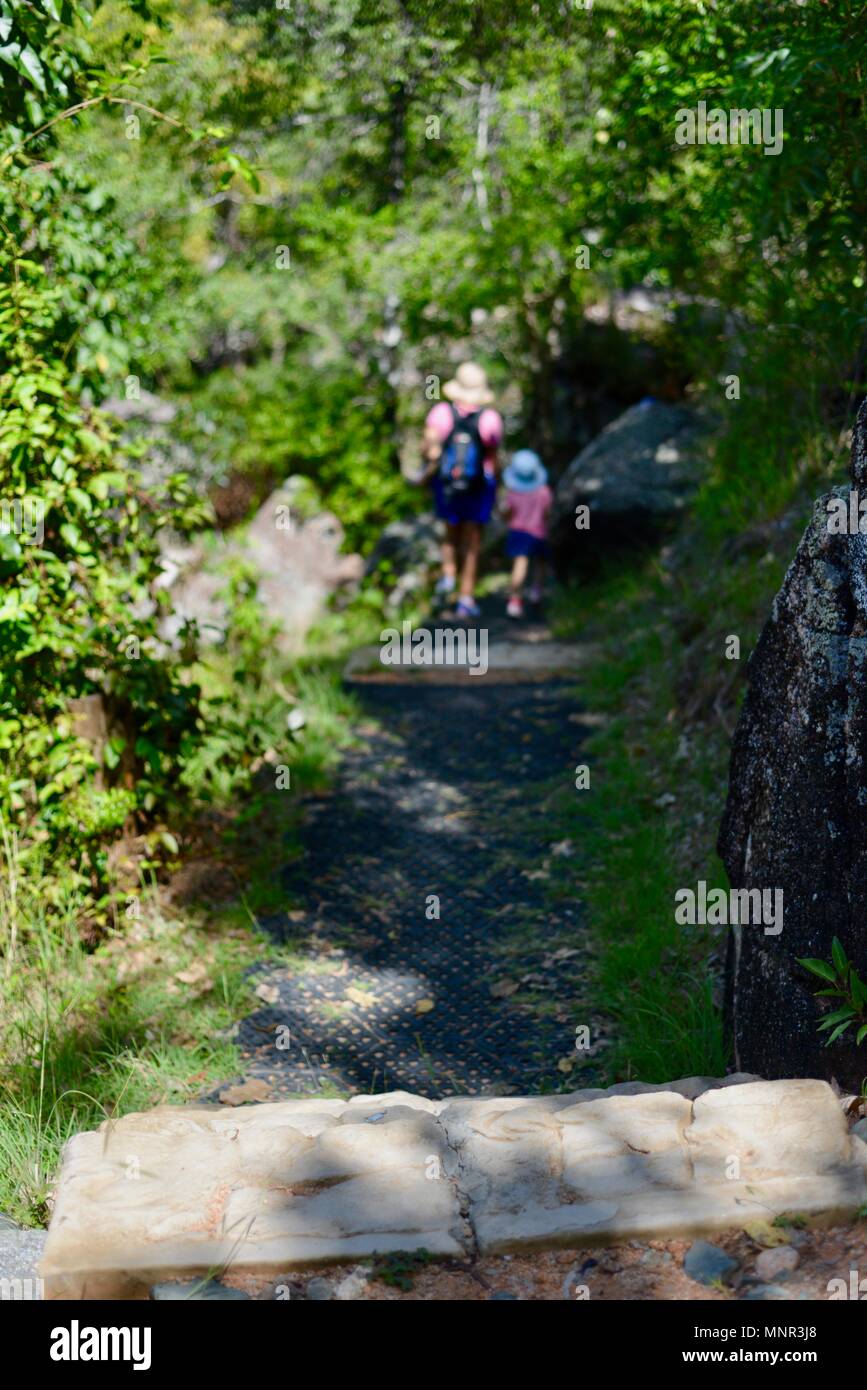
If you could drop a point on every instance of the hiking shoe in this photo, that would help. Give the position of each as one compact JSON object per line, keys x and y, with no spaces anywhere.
{"x":467,"y":608}
{"x":515,"y":607}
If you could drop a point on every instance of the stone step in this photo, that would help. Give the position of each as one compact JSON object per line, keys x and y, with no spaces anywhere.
{"x":179,"y":1193}
{"x":20,"y":1253}
{"x":500,"y":660}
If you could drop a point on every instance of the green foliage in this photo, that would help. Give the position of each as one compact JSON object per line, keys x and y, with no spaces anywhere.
{"x":845,"y":984}
{"x":43,"y":59}
{"x":399,"y":1268}
{"x":427,"y":173}
{"x":90,"y":1035}
{"x":77,"y":612}
{"x":290,"y":221}
{"x":80,"y":530}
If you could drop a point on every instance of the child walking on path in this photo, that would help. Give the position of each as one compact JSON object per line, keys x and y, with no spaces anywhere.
{"x":526,"y":507}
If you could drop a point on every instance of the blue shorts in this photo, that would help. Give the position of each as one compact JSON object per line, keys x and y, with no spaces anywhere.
{"x":522,"y":543}
{"x":468,"y":506}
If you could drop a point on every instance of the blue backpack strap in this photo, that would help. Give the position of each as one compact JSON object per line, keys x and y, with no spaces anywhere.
{"x":447,"y":442}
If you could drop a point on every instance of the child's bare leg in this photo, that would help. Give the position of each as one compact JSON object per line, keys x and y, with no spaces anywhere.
{"x":520,"y":565}
{"x":539,"y":572}
{"x":472,"y":539}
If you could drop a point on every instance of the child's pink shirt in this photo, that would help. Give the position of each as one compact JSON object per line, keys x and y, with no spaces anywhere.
{"x":528,"y":511}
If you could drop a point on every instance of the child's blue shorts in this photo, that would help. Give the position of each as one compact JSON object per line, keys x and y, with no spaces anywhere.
{"x":522,"y":543}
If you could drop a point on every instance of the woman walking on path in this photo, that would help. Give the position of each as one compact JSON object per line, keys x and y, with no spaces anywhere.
{"x":461,"y":438}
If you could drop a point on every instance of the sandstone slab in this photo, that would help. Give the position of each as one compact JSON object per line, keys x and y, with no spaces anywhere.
{"x":181,"y":1193}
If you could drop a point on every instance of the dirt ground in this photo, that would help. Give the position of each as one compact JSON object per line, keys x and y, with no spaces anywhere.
{"x":638,"y":1270}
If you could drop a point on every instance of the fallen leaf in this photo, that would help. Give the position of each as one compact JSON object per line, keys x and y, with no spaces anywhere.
{"x":763,"y":1233}
{"x":362,"y":997}
{"x":196,"y":975}
{"x":424,"y":1006}
{"x":269,"y":993}
{"x":502,"y":988}
{"x":250,"y":1089}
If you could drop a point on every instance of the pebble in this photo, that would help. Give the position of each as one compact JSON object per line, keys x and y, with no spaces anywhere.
{"x":776,"y":1263}
{"x":207,"y":1290}
{"x":796,"y":1237}
{"x":319,"y":1290}
{"x":577,"y":1275}
{"x":352,"y":1286}
{"x":770,"y":1293}
{"x":707,"y":1264}
{"x":655,"y":1259}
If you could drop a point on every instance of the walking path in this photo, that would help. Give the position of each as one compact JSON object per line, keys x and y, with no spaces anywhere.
{"x":451,"y":797}
{"x":433,"y":962}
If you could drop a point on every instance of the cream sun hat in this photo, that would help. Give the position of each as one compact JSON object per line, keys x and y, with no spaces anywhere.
{"x":469,"y":385}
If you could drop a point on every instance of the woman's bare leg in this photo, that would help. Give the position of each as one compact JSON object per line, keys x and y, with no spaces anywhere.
{"x":471,"y":537}
{"x":449,"y":551}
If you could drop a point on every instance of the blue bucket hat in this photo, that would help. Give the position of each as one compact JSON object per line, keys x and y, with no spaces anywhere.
{"x":525,"y":472}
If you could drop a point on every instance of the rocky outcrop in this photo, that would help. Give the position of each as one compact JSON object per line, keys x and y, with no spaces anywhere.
{"x":635,"y":476}
{"x":796,"y":815}
{"x":295,"y":560}
{"x":405,"y":555}
{"x":181,"y":1191}
{"x":144,"y":406}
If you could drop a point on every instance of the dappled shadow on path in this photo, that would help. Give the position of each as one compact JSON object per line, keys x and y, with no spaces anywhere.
{"x":439,"y":811}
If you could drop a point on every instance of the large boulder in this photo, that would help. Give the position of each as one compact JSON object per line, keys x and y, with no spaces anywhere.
{"x":635,"y":477}
{"x":405,"y":556}
{"x":295,"y":559}
{"x":796,"y":815}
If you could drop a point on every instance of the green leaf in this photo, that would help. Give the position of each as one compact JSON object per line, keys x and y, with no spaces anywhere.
{"x":830,"y":1019}
{"x":818,"y":967}
{"x":838,"y":1032}
{"x":857,"y":988}
{"x":30,"y":64}
{"x":92,"y":442}
{"x":838,"y":955}
{"x":112,"y":751}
